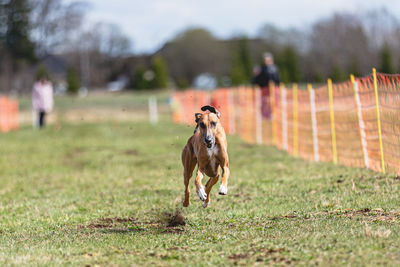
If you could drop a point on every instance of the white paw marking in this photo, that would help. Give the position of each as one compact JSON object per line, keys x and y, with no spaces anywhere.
{"x":206,"y":204}
{"x":223,"y":190}
{"x":202,"y":194}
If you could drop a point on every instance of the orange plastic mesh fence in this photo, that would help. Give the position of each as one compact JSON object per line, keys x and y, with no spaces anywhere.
{"x":305,"y":138}
{"x":267,"y":116}
{"x":8,"y":114}
{"x":389,"y":104}
{"x":368,"y":108}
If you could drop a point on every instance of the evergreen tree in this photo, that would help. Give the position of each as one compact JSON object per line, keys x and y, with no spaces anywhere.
{"x":290,"y":64}
{"x":182,"y":83}
{"x":284,"y":73}
{"x":241,"y":71}
{"x":244,"y":54}
{"x":42,"y":73}
{"x":73,"y":83}
{"x":318,"y":77}
{"x":14,"y":29}
{"x":138,"y":80}
{"x":238,"y":75}
{"x":160,"y":70}
{"x":386,"y":60}
{"x":355,"y":67}
{"x":337,"y":74}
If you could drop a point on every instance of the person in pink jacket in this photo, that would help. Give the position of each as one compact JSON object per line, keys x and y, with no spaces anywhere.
{"x":42,"y":99}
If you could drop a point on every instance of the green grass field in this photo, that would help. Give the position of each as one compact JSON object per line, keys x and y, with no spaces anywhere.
{"x":106,"y":193}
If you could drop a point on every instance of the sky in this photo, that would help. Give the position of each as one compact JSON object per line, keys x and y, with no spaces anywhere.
{"x":150,"y":23}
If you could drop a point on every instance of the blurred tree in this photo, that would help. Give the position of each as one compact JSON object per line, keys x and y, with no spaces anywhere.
{"x":138,"y":80}
{"x":160,"y":70}
{"x":276,"y":37}
{"x":193,"y":52}
{"x":73,"y":83}
{"x":241,"y":72}
{"x":182,"y":84}
{"x":284,"y":73}
{"x":238,"y":74}
{"x":386,"y":60}
{"x":55,"y":22}
{"x":355,"y":67}
{"x":318,"y":78}
{"x":338,"y":74}
{"x":245,"y":59}
{"x":335,"y":42}
{"x":100,"y":52}
{"x":42,"y":72}
{"x":14,"y":30}
{"x":289,"y":65}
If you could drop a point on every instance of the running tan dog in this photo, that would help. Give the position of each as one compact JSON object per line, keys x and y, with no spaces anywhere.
{"x":207,"y":148}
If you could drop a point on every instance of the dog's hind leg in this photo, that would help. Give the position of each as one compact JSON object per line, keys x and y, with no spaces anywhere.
{"x":211,"y":182}
{"x":189,"y":163}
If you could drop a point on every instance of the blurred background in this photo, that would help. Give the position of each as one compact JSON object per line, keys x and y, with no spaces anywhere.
{"x":135,"y":45}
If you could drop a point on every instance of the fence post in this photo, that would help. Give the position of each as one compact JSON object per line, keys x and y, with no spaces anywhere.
{"x":361,"y":123}
{"x":332,"y":116}
{"x":284,"y":117}
{"x":272,"y":101}
{"x":295,"y":121}
{"x":378,"y":118}
{"x":313,"y":121}
{"x":258,"y":116}
{"x":153,"y":113}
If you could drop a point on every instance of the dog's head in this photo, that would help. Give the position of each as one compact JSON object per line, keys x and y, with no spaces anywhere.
{"x":208,"y":124}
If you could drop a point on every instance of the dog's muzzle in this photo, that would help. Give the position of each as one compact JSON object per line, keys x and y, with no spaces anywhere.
{"x":209,"y":141}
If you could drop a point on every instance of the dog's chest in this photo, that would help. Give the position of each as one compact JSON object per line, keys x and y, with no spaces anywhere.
{"x":212,"y":152}
{"x":211,"y":167}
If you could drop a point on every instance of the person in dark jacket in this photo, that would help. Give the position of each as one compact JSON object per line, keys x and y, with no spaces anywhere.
{"x":266,"y":73}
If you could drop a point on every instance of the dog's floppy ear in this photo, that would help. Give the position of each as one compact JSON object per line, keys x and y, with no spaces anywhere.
{"x":197,"y":117}
{"x":211,"y":109}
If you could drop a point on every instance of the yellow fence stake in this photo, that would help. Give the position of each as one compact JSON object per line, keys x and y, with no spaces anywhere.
{"x":378,"y":118}
{"x":332,"y":116}
{"x":295,"y":121}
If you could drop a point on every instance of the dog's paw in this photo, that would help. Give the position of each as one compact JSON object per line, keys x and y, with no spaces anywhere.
{"x":202,"y":194}
{"x":206,"y":204}
{"x":186,"y":204}
{"x":223,"y":190}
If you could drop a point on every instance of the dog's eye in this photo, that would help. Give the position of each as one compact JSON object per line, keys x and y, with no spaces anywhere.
{"x":213,"y":124}
{"x":202,"y":125}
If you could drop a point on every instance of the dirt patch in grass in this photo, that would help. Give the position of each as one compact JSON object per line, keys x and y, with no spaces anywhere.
{"x":267,"y":255}
{"x":365,"y":213}
{"x":131,"y":152}
{"x":114,"y":225}
{"x":174,"y":222}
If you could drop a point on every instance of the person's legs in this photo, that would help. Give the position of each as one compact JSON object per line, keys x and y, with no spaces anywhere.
{"x":265,"y":103}
{"x":42,"y":115}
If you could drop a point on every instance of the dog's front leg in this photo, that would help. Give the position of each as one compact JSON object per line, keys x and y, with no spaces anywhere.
{"x":211,"y":182}
{"x":223,"y":188}
{"x":199,"y":187}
